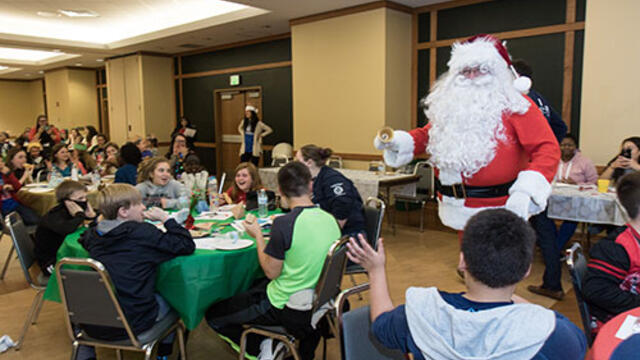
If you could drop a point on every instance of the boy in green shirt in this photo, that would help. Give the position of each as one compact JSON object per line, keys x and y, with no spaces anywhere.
{"x":292,"y":261}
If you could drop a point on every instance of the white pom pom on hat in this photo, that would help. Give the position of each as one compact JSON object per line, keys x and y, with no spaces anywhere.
{"x":521,"y":83}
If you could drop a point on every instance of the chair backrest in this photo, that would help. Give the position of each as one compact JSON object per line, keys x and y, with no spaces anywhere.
{"x":354,"y":331}
{"x":373,"y":214}
{"x":279,"y":160}
{"x":577,"y":264}
{"x":282,"y":150}
{"x":328,"y":286}
{"x":22,"y":243}
{"x":335,"y":162}
{"x":376,"y":166}
{"x":88,"y":296}
{"x":426,"y":182}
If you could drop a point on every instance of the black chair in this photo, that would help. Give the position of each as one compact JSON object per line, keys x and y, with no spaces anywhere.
{"x":23,"y":246}
{"x":354,"y":331}
{"x":424,"y":190}
{"x":577,"y":264}
{"x":325,"y":292}
{"x":335,"y":162}
{"x":278,"y":161}
{"x":89,"y":299}
{"x":31,"y":230}
{"x":374,"y":210}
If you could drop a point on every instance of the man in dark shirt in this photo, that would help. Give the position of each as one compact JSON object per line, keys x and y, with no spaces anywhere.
{"x":612,"y":284}
{"x":497,"y":249}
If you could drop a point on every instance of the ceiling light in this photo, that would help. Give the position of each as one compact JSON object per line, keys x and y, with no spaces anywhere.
{"x":25,"y":54}
{"x":41,"y":72}
{"x":47,"y":14}
{"x":3,"y":67}
{"x":31,"y":56}
{"x":78,"y":64}
{"x":78,"y":13}
{"x":8,"y":69}
{"x":99,"y":60}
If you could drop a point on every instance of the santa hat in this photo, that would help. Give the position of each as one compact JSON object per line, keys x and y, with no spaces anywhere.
{"x":521,"y":83}
{"x":251,"y":108}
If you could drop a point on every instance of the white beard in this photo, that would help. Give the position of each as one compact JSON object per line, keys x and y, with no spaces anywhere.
{"x":466,"y":120}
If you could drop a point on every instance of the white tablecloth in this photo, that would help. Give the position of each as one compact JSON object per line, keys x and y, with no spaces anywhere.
{"x":368,"y":183}
{"x":568,"y":202}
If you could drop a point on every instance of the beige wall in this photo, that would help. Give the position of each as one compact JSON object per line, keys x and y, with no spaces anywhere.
{"x":72,"y":98}
{"x":610,"y":107}
{"x":20,"y":103}
{"x":159,"y":100}
{"x":351,"y":76}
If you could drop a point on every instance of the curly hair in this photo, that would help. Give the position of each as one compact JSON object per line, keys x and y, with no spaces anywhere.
{"x":148,"y":166}
{"x":256,"y":182}
{"x":497,"y":246}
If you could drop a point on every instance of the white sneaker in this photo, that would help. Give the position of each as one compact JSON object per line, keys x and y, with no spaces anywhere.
{"x":268,"y":352}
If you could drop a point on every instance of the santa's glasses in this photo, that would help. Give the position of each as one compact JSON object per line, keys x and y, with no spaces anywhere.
{"x":471,"y":72}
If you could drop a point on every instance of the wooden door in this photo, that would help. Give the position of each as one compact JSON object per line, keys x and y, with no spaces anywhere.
{"x":231,"y":113}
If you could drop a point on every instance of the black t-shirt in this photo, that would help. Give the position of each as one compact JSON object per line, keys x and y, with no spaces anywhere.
{"x":282,"y":233}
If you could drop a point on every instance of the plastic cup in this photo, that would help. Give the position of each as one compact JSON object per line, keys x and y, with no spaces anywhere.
{"x":603,"y":185}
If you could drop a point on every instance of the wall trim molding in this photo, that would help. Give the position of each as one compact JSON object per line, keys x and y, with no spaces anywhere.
{"x":542,"y":30}
{"x":272,"y":65}
{"x":351,"y":10}
{"x":235,"y":44}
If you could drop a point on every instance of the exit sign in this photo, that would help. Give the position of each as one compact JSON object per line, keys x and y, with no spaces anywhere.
{"x":234,"y":80}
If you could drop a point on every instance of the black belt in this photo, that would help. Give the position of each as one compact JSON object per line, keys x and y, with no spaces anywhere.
{"x":461,"y":191}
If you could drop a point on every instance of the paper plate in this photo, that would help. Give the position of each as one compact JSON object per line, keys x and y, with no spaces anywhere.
{"x":36,"y":186}
{"x":219,"y":243}
{"x":40,"y":190}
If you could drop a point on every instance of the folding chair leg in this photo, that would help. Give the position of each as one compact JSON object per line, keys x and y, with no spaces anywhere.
{"x":422,"y":216}
{"x":74,"y":350}
{"x":147,"y":353}
{"x":243,"y":345}
{"x":38,"y":308}
{"x":118,"y":354}
{"x":6,"y":263}
{"x":353,"y":281}
{"x":181,"y":344}
{"x":30,"y":318}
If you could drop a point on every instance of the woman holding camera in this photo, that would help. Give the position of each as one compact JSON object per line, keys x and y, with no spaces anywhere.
{"x":46,"y":134}
{"x":627,"y":161}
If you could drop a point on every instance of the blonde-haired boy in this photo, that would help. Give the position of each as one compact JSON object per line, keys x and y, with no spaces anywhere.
{"x":131,"y":250}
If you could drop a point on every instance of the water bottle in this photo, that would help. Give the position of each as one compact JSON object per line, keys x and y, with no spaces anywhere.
{"x":95,"y":177}
{"x":74,"y":172}
{"x":263,"y":210}
{"x":54,"y":179}
{"x":212,"y":190}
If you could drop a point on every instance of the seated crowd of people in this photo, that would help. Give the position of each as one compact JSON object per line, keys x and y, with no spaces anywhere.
{"x":497,"y":247}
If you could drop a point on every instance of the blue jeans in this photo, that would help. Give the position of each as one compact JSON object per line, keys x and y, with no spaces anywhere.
{"x":546,"y":238}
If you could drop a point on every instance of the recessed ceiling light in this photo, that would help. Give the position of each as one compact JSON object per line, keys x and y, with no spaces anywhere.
{"x":26,"y":54}
{"x":41,"y":72}
{"x":47,"y":14}
{"x":78,"y":64}
{"x":99,"y":60}
{"x":78,"y":13}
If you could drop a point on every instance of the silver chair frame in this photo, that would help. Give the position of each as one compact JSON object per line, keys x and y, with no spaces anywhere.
{"x":289,"y":340}
{"x":147,"y":348}
{"x":36,"y":305}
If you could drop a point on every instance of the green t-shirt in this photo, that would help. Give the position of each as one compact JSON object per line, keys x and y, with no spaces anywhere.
{"x":301,"y":239}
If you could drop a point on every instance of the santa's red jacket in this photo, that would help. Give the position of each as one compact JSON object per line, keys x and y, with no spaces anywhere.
{"x":529,"y":155}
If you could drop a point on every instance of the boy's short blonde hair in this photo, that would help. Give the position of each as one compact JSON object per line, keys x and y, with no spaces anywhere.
{"x":68,"y":187}
{"x":115,"y":196}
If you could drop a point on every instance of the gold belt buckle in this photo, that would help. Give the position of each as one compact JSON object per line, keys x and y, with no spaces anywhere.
{"x":455,"y":193}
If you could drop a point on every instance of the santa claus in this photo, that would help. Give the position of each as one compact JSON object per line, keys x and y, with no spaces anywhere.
{"x":490,"y":144}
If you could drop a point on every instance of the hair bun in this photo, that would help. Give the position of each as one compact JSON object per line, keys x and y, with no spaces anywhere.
{"x":326,"y":153}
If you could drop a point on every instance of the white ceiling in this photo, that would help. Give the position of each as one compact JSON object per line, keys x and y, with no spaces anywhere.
{"x":163,"y":26}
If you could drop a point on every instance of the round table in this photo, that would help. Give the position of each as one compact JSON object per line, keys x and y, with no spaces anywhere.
{"x":189,"y":283}
{"x":42,"y":201}
{"x":606,"y":341}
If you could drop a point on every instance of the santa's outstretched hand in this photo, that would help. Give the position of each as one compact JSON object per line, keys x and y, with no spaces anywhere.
{"x":398,"y":151}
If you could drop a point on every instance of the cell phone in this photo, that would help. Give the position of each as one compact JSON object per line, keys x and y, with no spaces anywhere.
{"x":626,"y":153}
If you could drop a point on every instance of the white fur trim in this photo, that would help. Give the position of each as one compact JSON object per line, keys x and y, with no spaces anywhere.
{"x":455,"y":215}
{"x":479,"y":52}
{"x":536,"y":186}
{"x":522,"y":84}
{"x":400,"y":150}
{"x":449,"y":176}
{"x":378,"y":144}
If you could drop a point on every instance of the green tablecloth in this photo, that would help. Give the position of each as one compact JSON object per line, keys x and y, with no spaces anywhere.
{"x":189,"y":283}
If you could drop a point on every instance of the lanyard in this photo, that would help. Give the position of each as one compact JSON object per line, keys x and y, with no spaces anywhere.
{"x":566,"y":172}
